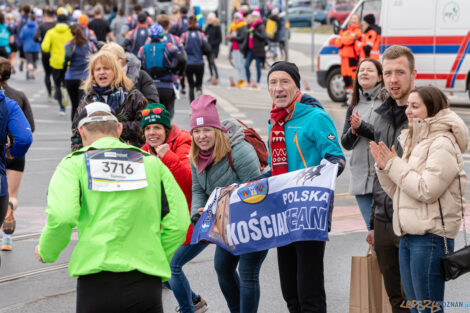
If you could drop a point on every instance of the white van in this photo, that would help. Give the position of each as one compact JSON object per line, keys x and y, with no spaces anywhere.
{"x":437,"y":31}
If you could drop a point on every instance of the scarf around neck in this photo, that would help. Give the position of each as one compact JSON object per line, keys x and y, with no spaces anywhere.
{"x":277,"y":140}
{"x":205,"y":158}
{"x":110,"y":95}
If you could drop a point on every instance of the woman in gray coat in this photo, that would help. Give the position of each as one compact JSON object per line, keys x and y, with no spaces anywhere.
{"x":359,"y":130}
{"x":219,"y":157}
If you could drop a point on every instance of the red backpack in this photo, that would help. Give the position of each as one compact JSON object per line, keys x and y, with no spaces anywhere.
{"x":254,"y":139}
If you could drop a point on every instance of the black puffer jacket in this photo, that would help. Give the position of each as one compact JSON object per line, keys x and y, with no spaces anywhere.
{"x":129,"y":114}
{"x":391,"y":120}
{"x":259,"y":42}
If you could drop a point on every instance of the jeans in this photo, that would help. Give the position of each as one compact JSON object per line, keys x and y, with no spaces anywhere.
{"x":365,"y":203}
{"x":259,"y":62}
{"x":241,"y":290}
{"x":420,"y":257}
{"x":239,"y":62}
{"x":178,"y":282}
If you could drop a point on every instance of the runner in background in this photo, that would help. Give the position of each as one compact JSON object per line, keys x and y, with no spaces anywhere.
{"x":47,"y":23}
{"x":14,"y":166}
{"x":164,"y":21}
{"x":160,"y":59}
{"x":13,"y":29}
{"x":137,"y":37}
{"x":87,"y":32}
{"x":100,"y":26}
{"x":25,"y":12}
{"x":178,"y":29}
{"x":117,"y":24}
{"x":31,"y":48}
{"x":6,"y":38}
{"x":193,"y":41}
{"x":54,"y":43}
{"x":77,"y":53}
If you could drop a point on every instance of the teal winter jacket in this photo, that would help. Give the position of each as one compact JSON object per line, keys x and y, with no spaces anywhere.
{"x":246,"y":164}
{"x":310,"y":137}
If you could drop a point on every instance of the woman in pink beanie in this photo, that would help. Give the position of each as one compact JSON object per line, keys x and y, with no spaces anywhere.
{"x":210,"y":168}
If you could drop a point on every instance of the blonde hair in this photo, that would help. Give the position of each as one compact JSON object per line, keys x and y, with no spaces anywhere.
{"x":221,"y":147}
{"x":109,"y":59}
{"x":115,"y":49}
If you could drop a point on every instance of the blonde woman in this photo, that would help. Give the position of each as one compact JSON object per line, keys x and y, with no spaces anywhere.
{"x":210,"y":168}
{"x":108,"y":83}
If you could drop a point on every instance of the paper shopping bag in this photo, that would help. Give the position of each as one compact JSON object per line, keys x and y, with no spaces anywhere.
{"x":367,"y":291}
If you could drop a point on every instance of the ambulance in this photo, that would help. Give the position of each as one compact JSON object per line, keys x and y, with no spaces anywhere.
{"x":436,"y":31}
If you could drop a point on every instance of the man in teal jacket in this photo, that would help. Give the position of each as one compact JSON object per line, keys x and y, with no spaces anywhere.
{"x":130,"y":213}
{"x":301,"y":134}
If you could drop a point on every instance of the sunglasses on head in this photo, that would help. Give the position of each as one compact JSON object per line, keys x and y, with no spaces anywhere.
{"x":146,"y":112}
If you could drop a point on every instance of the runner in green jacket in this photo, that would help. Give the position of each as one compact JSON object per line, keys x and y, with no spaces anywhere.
{"x":130,"y":213}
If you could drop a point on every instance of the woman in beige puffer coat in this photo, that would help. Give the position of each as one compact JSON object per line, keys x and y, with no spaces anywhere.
{"x":429,"y":175}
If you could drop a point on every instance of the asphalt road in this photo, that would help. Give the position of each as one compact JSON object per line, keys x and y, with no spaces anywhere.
{"x":27,"y":286}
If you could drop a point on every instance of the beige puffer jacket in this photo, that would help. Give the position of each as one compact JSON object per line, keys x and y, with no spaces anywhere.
{"x":429,"y":170}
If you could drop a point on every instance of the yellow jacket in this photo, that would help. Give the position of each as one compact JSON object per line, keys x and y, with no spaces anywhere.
{"x":54,"y":43}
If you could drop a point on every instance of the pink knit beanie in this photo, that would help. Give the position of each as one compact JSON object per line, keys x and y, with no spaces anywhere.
{"x":204,"y":113}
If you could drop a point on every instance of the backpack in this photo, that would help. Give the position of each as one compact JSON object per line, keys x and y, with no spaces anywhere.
{"x":154,"y":54}
{"x":254,"y":139}
{"x":271,"y":28}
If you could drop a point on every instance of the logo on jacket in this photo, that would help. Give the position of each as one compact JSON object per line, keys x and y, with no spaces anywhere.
{"x":331,"y":137}
{"x":254,"y":192}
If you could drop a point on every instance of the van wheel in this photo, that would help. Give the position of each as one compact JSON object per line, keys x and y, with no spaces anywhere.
{"x":335,"y":86}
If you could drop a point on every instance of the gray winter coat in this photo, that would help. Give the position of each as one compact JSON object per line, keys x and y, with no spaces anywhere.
{"x":361,"y":162}
{"x":245,"y":161}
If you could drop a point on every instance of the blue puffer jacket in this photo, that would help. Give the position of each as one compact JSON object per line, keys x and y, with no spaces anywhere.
{"x":27,"y":34}
{"x":246,"y":164}
{"x":13,"y":121}
{"x":310,"y":137}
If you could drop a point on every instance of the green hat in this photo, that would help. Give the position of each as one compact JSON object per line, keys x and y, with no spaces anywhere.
{"x":155,"y":113}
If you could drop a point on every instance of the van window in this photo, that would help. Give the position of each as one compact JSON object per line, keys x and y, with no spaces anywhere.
{"x":367,"y":7}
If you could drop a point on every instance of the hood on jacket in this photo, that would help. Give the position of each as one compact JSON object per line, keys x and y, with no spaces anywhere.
{"x":133,"y":66}
{"x":308,"y":99}
{"x":375,"y":27}
{"x":61,"y":27}
{"x":234,"y":129}
{"x":447,"y":120}
{"x":31,"y":24}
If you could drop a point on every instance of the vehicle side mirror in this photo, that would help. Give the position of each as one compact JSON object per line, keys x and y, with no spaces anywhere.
{"x":336,"y":27}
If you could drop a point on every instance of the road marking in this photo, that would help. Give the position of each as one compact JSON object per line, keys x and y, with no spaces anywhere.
{"x":224,"y":104}
{"x":52,"y":121}
{"x":40,"y":106}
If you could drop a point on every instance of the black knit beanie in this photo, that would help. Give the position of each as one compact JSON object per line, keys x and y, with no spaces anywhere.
{"x":370,"y":19}
{"x":289,"y":68}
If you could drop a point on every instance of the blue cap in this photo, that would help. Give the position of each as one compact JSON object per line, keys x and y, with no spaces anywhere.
{"x":156,"y":31}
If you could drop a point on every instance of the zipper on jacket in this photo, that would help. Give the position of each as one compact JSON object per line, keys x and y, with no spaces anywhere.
{"x":300,"y":151}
